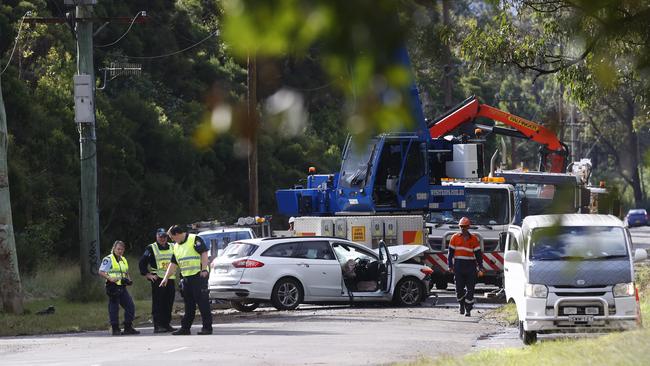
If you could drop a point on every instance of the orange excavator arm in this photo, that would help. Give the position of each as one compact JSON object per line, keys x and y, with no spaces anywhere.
{"x":552,"y":148}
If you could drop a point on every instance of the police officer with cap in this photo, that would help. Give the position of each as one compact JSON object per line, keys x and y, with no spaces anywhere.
{"x":191,"y":256}
{"x":153,"y":265}
{"x":465,"y":260}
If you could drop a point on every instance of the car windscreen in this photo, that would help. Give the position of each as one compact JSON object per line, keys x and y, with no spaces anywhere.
{"x":238,"y":250}
{"x":637,"y":212}
{"x":578,"y":243}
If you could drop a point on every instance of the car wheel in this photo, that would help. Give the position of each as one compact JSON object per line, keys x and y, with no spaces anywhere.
{"x":527,"y":337}
{"x":287,"y":294}
{"x":442,"y":285}
{"x":409,"y":292}
{"x":244,"y":306}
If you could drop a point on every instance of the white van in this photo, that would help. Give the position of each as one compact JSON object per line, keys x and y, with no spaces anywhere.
{"x":571,"y":273}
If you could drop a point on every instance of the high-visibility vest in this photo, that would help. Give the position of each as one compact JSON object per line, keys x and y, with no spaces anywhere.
{"x":119,"y":269}
{"x":188,"y":259}
{"x":163,"y":258}
{"x":464,"y":249}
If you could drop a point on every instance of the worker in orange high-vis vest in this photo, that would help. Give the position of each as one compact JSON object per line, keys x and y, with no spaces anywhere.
{"x":465,"y":260}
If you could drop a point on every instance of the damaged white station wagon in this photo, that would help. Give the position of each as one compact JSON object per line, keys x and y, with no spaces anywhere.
{"x":317,"y":270}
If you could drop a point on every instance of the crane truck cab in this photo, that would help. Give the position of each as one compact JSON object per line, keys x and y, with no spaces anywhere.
{"x":571,"y":273}
{"x":491,"y":208}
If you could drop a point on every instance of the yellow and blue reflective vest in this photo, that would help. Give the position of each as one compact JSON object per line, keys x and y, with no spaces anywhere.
{"x":188,"y":259}
{"x":163,"y":257}
{"x":119,"y":269}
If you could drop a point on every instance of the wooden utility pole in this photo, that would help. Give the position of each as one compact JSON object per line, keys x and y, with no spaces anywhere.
{"x":85,"y":119}
{"x":11,"y":291}
{"x":253,"y":122}
{"x":84,"y":95}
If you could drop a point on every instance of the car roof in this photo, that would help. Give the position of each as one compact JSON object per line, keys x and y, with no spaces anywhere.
{"x":536,"y":221}
{"x":225,"y":230}
{"x":267,"y":242}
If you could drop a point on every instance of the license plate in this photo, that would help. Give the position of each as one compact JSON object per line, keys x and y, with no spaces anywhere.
{"x":581,"y":318}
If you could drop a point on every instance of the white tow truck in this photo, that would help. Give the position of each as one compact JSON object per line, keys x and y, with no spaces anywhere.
{"x":491,"y":208}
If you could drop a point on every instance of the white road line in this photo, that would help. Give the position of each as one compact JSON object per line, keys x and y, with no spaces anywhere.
{"x":251,"y":332}
{"x":175,"y":350}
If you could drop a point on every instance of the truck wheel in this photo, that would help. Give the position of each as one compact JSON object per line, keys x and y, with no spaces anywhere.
{"x":528,"y":337}
{"x":244,"y":306}
{"x":287,"y":294}
{"x":442,"y":285}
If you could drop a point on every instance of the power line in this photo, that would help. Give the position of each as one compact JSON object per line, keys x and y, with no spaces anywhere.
{"x":125,"y":33}
{"x":20,"y":27}
{"x":215,"y":33}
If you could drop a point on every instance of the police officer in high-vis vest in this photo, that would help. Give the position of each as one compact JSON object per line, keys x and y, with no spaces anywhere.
{"x":153,"y":265}
{"x":115,"y":269}
{"x":191,"y":256}
{"x":465,"y":260}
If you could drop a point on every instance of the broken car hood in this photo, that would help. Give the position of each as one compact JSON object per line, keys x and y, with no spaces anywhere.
{"x":405,"y":252}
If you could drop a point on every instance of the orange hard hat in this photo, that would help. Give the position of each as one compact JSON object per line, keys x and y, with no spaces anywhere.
{"x":464,"y":221}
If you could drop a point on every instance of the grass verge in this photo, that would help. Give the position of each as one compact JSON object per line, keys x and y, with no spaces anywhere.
{"x":67,"y":317}
{"x":56,"y":285}
{"x":626,"y":348}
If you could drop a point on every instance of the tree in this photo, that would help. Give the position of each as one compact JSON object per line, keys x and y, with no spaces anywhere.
{"x":598,"y":50}
{"x":10,"y":286}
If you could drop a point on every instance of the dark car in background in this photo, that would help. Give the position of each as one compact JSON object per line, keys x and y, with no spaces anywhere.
{"x":636,"y":217}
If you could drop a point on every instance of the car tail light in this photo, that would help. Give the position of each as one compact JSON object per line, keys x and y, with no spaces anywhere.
{"x":247,"y":263}
{"x":426,"y":270}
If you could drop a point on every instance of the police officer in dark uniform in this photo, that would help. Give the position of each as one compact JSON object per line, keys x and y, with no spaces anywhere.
{"x":115,"y":269}
{"x":191,"y":256}
{"x":465,"y":260}
{"x":153,"y":265}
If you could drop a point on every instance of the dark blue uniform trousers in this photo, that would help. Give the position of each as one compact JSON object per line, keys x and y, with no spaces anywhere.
{"x":195,"y":292}
{"x":121,"y":299}
{"x":465,"y":280}
{"x":162,"y":302}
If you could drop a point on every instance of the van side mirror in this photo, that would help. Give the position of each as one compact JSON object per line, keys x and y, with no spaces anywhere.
{"x":512,"y":256}
{"x":640,"y":255}
{"x":503,"y":237}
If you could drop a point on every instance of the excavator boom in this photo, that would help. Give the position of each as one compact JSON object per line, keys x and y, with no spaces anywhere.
{"x":466,"y":112}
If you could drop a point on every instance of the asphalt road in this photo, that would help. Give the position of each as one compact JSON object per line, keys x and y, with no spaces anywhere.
{"x":311,"y":335}
{"x":308,"y":336}
{"x":641,"y":237}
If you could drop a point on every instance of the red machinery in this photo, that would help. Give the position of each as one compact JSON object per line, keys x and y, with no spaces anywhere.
{"x":553,"y":152}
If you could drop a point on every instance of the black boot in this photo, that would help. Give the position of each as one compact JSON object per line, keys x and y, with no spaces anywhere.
{"x":159,"y":329}
{"x":181,"y":331}
{"x":468,"y":310}
{"x":128,"y":329}
{"x":116,"y":330}
{"x":205,"y":331}
{"x":169,"y":328}
{"x":462,"y":307}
